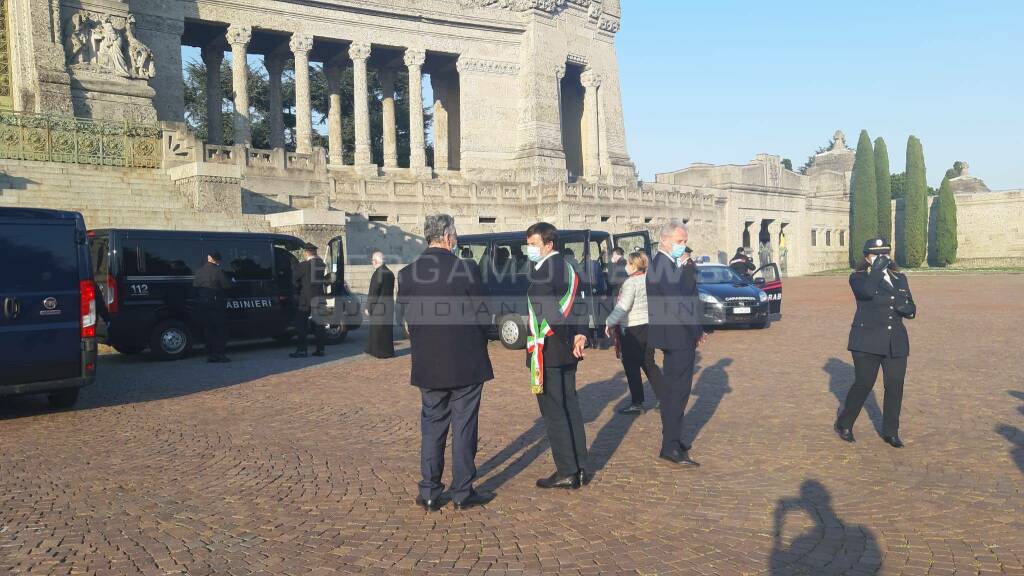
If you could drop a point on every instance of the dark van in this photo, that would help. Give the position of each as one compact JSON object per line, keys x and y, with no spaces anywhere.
{"x":504,"y":267}
{"x":146,"y":280}
{"x":48,"y":327}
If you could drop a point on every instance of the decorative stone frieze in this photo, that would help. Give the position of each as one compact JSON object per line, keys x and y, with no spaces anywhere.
{"x":480,"y":66}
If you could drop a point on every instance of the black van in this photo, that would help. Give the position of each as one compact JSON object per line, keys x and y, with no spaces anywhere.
{"x":146,"y":280}
{"x":504,"y":267}
{"x":48,"y":327}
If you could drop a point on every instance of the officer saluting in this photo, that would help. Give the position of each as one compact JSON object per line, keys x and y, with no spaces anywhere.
{"x":878,"y":339}
{"x":210,"y":283}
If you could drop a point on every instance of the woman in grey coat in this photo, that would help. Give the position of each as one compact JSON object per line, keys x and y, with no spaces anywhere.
{"x":629,"y":318}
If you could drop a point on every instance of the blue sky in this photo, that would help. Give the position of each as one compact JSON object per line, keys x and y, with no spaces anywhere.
{"x":722,"y":80}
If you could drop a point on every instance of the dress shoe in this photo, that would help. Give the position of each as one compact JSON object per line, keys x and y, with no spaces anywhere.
{"x":298,"y":355}
{"x":679,"y":457}
{"x":475,"y":499}
{"x":571,"y":481}
{"x":632,"y":410}
{"x":584,"y":477}
{"x":845,"y":433}
{"x":318,"y":353}
{"x":893,"y":441}
{"x":428,"y":505}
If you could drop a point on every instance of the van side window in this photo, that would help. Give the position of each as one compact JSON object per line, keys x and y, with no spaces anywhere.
{"x":100,"y":248}
{"x":246,"y":259}
{"x":167,"y":257}
{"x":509,"y":260}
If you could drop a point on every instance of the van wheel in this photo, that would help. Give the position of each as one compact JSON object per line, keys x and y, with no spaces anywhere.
{"x":171,"y":340}
{"x":336,"y":334}
{"x":512,"y":333}
{"x":63,"y":398}
{"x":129,"y":350}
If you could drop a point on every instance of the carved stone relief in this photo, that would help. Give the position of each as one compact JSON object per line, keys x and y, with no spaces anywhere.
{"x":107,"y":44}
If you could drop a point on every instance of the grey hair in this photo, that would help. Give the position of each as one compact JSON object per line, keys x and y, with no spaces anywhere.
{"x":671,"y":226}
{"x":437,"y":226}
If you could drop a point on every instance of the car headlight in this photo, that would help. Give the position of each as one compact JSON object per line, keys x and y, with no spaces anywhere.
{"x":709,"y":299}
{"x":762,"y":296}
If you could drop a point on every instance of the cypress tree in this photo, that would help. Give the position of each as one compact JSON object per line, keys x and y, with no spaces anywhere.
{"x":883,"y":183}
{"x":945,"y":226}
{"x":915,"y":208}
{"x":863,"y":199}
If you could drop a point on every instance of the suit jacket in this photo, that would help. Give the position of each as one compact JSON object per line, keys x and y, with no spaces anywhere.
{"x":547,"y":286}
{"x":878,"y":323}
{"x":309,"y":281}
{"x":617,"y":276}
{"x":441,"y":299}
{"x":210,"y":283}
{"x":380,"y":297}
{"x":673,"y":305}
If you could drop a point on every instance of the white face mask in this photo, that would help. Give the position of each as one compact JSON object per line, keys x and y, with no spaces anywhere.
{"x":533,"y":253}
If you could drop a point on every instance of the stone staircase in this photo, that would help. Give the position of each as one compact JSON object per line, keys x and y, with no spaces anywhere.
{"x":112,"y":197}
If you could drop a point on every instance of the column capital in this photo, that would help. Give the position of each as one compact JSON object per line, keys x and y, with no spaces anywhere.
{"x":239,"y":34}
{"x":359,"y":50}
{"x":560,"y":71}
{"x":301,"y":43}
{"x":590,"y":79}
{"x":415,"y":57}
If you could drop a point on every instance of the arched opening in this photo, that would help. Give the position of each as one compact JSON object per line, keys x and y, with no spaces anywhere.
{"x":572,"y":121}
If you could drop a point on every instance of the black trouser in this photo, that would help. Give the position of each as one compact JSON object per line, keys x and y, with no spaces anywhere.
{"x":560,"y":408}
{"x":302,"y":329}
{"x":215,"y":331}
{"x":636,"y":356}
{"x":865,"y":369}
{"x":459,"y":409}
{"x":676,"y":383}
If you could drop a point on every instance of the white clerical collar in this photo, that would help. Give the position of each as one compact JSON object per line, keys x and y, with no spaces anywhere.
{"x":542,"y":260}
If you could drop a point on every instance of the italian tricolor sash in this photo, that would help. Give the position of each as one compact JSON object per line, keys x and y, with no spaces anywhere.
{"x":539,"y":330}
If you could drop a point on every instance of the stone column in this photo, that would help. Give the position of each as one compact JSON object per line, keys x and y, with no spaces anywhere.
{"x":414,"y":59}
{"x":300,"y":46}
{"x":238,"y":37}
{"x":332,"y":69}
{"x":359,"y":52}
{"x":560,"y":70}
{"x":387,"y":86}
{"x":592,"y":140}
{"x":440,"y":122}
{"x":274,"y":64}
{"x":213,"y":57}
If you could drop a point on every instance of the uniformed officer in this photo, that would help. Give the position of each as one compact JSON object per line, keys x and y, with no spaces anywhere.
{"x":211,"y":283}
{"x":878,"y":339}
{"x":309,"y":282}
{"x":741,"y":263}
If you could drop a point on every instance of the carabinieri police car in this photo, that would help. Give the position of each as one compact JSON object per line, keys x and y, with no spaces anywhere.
{"x":730,"y":300}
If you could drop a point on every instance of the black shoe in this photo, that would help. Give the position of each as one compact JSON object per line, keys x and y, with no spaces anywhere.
{"x":298,"y":355}
{"x":679,"y":457}
{"x":845,"y":433}
{"x":475,"y":499}
{"x":571,"y":482}
{"x":429,"y":505}
{"x":318,"y":353}
{"x":632,"y":410}
{"x":584,"y":477}
{"x":893,"y":441}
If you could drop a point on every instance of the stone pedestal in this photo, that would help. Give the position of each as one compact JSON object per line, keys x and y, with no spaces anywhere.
{"x":210,"y":187}
{"x":104,"y":97}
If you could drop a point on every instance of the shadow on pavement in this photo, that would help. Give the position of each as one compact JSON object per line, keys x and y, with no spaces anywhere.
{"x":123,"y":379}
{"x":831,"y":546}
{"x":1014,"y":434}
{"x":840,"y":378}
{"x":711,"y":387}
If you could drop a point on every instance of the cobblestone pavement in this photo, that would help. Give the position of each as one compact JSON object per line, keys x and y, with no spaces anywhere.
{"x":277,"y":466}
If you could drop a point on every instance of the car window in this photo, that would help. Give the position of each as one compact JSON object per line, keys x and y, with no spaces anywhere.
{"x":716,"y":275}
{"x":246,"y":259}
{"x":99,"y":247}
{"x":474,"y":252}
{"x":38,"y":258}
{"x":170,"y":257}
{"x":509,"y":260}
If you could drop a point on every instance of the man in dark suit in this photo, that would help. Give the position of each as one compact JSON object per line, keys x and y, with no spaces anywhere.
{"x":309,"y":285}
{"x":555,"y":347}
{"x":211,"y":284}
{"x":380,"y":309}
{"x":441,"y":300}
{"x":673,"y":308}
{"x":617,"y":274}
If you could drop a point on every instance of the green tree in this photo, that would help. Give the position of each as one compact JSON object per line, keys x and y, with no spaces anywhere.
{"x":915,"y":208}
{"x":896,"y":182}
{"x":863,"y":199}
{"x":787,"y":164}
{"x":883,"y":184}
{"x":945,"y":226}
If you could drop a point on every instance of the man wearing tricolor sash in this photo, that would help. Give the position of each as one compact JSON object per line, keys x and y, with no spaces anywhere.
{"x":554,"y":348}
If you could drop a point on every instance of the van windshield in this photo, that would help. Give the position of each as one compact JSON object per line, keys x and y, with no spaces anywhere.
{"x":38,"y":258}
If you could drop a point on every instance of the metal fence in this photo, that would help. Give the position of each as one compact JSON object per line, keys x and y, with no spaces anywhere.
{"x":79,"y":140}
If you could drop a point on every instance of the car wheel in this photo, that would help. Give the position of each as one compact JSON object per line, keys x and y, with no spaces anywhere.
{"x":63,"y":398}
{"x":129,"y":350}
{"x":335,"y":333}
{"x":765,"y":324}
{"x":512,"y":333}
{"x":171,"y":340}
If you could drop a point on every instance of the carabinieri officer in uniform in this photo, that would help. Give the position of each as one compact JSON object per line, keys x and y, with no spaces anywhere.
{"x":878,"y":339}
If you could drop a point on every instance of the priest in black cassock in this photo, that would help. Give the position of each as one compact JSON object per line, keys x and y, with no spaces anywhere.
{"x":380,"y":309}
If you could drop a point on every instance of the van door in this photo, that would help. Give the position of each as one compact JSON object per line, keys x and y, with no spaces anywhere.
{"x":632,"y":241}
{"x":252,"y":307}
{"x":767,"y":278}
{"x":40,"y":330}
{"x":575,"y":247}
